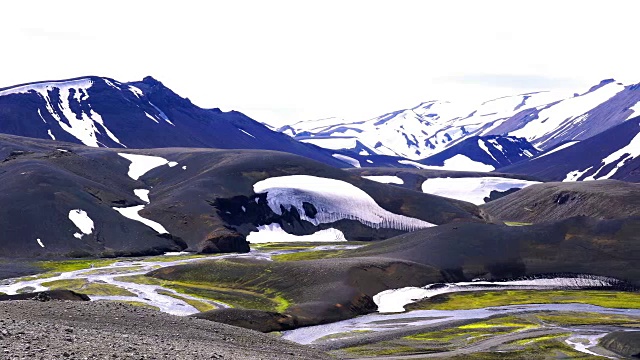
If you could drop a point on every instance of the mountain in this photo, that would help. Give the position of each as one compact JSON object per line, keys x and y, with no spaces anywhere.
{"x":602,"y":199}
{"x":612,"y":154}
{"x":474,"y":187}
{"x":543,"y":118}
{"x":102,"y":112}
{"x":68,"y":200}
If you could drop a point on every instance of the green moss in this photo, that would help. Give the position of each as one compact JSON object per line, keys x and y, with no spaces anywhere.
{"x":89,"y":288}
{"x":199,"y":305}
{"x":587,"y":318}
{"x":235,"y":297}
{"x":516,"y":223}
{"x":525,"y":342}
{"x":342,"y":335}
{"x":307,"y":255}
{"x":482,"y":299}
{"x":25,"y":290}
{"x":367,"y":351}
{"x":72,"y":265}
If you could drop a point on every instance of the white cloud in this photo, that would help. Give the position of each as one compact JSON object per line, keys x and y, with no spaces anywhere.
{"x":293,"y":60}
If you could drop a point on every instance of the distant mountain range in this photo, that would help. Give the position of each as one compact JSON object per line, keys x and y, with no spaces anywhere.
{"x":545,"y":119}
{"x":102,"y":112}
{"x":517,"y":133}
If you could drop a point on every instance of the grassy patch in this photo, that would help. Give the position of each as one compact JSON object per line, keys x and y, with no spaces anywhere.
{"x":586,"y":318}
{"x":368,"y":351}
{"x":238,"y":298}
{"x":170,"y":258}
{"x":343,"y":335}
{"x":307,"y":255}
{"x":73,"y":265}
{"x":199,"y":305}
{"x":114,"y":270}
{"x":482,"y":299}
{"x":516,"y":223}
{"x":88,"y":288}
{"x":530,"y":341}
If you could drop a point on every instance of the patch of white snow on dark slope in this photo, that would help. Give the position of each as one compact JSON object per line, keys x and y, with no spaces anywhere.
{"x":274,"y":233}
{"x":334,"y":200}
{"x":82,"y":221}
{"x":141,"y":164}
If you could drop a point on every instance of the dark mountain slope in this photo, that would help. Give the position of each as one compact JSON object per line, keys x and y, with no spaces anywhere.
{"x":467,"y":251}
{"x":103,"y":112}
{"x":494,"y":151}
{"x":603,"y":199}
{"x":200,"y":199}
{"x":612,"y":154}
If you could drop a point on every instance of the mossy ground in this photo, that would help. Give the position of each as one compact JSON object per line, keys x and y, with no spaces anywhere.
{"x":517,"y":223}
{"x":89,"y":288}
{"x":536,"y":347}
{"x":307,"y":255}
{"x":199,"y":305}
{"x":72,"y":265}
{"x":235,"y":297}
{"x":482,"y":299}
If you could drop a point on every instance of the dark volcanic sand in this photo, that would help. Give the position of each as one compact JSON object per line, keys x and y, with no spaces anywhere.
{"x":99,"y":330}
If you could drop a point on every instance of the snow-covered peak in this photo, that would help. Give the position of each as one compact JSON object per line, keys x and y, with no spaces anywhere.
{"x":545,"y":118}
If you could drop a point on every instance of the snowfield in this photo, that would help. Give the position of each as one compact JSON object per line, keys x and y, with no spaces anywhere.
{"x":333,"y":199}
{"x":274,"y":233}
{"x":385,"y":179}
{"x":142,"y":164}
{"x":394,"y":300}
{"x":472,"y":189}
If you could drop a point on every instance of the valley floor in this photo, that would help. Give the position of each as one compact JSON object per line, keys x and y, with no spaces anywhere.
{"x":482,"y":324}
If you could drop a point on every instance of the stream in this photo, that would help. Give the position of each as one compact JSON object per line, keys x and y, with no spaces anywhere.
{"x":147,"y":294}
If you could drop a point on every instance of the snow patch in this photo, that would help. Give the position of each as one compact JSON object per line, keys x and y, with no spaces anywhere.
{"x":132,"y":213}
{"x":333,"y":199}
{"x":40,"y":242}
{"x":51,"y":134}
{"x":558,"y":148}
{"x":471,"y":189}
{"x":622,"y":156}
{"x":385,"y":179}
{"x":274,"y":233}
{"x":143,"y":194}
{"x":636,"y":110}
{"x":141,"y":164}
{"x":246,"y":133}
{"x":394,"y":300}
{"x":172,"y":163}
{"x":82,"y":221}
{"x":484,"y":147}
{"x":349,"y":160}
{"x":576,"y":174}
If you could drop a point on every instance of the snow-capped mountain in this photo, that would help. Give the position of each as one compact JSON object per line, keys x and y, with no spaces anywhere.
{"x":612,"y":154}
{"x":543,"y":118}
{"x":102,"y":112}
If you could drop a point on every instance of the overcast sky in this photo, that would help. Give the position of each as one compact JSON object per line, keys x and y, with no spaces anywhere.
{"x":284,"y":61}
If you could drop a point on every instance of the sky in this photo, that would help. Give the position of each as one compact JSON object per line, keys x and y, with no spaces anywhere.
{"x":286,"y":61}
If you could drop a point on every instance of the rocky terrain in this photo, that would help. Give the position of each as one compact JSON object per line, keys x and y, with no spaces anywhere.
{"x":101,"y":330}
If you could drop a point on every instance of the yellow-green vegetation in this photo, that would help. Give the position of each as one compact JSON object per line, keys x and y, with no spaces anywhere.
{"x":587,"y":318}
{"x":73,"y":265}
{"x":24,"y":290}
{"x":482,"y":299}
{"x":301,"y":245}
{"x":307,"y":255}
{"x":343,"y":335}
{"x":89,"y":288}
{"x":516,"y":223}
{"x":530,"y":341}
{"x":475,"y":331}
{"x":235,"y":297}
{"x":199,"y":305}
{"x":114,"y":270}
{"x":170,"y":258}
{"x":550,"y":346}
